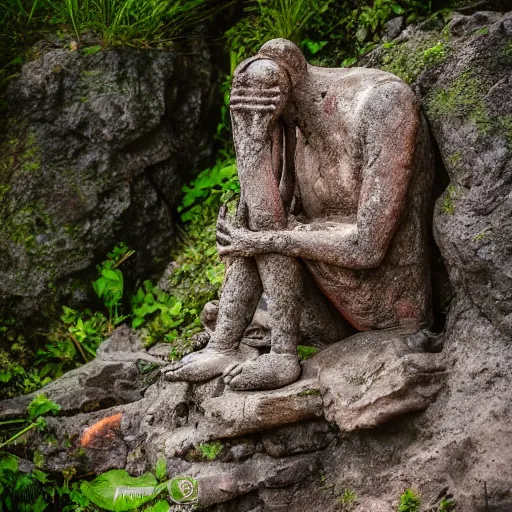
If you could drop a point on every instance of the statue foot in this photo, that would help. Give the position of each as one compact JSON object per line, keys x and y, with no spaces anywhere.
{"x":206,"y":364}
{"x":269,"y":371}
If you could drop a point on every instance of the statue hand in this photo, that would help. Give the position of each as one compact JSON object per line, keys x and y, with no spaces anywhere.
{"x":235,"y":241}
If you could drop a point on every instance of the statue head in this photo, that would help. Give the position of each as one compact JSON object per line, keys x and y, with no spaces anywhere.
{"x":286,"y":55}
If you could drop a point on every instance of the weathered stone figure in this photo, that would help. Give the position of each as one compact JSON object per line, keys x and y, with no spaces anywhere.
{"x":335,"y":169}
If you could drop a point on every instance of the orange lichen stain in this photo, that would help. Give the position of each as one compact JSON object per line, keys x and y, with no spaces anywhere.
{"x":101,"y":430}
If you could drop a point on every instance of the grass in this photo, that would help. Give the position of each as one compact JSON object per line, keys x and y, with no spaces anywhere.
{"x":125,"y":21}
{"x":269,"y":19}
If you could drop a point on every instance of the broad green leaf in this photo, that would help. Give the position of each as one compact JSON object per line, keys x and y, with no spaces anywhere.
{"x":5,"y":376}
{"x":40,"y":406}
{"x":161,"y":506}
{"x":161,"y":468}
{"x":175,"y":310}
{"x":137,"y":322}
{"x":102,"y":490}
{"x":112,"y":275}
{"x":99,"y":286}
{"x":8,"y":462}
{"x":40,"y":505}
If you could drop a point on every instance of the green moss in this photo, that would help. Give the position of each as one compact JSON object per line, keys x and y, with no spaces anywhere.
{"x":309,"y":392}
{"x":27,"y":223}
{"x":507,"y":49}
{"x":481,"y":31}
{"x":504,"y":124}
{"x":465,"y":97}
{"x":90,"y":73}
{"x":455,"y":159}
{"x":409,"y":59}
{"x":481,"y":236}
{"x":305,"y":352}
{"x":451,"y":194}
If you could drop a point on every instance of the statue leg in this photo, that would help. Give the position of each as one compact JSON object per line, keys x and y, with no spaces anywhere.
{"x":239,"y":299}
{"x":282,"y":281}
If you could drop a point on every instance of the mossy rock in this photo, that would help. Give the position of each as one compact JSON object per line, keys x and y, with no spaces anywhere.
{"x":91,"y":156}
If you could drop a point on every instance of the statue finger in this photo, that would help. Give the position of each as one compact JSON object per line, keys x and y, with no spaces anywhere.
{"x":222,"y":212}
{"x":223,"y":239}
{"x":228,"y":370}
{"x":225,"y":250}
{"x":223,"y":227}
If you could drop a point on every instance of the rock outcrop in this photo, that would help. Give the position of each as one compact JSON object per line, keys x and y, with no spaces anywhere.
{"x":95,"y":152}
{"x":379,"y":412}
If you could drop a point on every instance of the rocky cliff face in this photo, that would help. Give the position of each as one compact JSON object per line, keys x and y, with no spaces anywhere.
{"x":95,"y":152}
{"x":375,"y":414}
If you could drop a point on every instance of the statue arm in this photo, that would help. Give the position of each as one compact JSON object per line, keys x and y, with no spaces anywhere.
{"x":389,"y":160}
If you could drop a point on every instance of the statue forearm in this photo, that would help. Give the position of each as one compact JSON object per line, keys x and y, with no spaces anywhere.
{"x":341,"y":247}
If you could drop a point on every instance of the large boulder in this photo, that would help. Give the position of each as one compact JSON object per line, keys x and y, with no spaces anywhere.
{"x":95,"y":151}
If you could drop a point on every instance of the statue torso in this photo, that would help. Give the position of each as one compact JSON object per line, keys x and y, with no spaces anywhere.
{"x":330,"y":164}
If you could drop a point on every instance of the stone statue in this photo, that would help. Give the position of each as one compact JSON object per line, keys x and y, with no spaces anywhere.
{"x":335,"y":169}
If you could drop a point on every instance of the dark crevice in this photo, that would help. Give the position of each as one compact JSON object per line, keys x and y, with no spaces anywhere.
{"x":442,"y":291}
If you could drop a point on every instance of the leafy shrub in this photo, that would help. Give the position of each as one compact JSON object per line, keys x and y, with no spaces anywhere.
{"x":269,"y":19}
{"x":334,"y":32}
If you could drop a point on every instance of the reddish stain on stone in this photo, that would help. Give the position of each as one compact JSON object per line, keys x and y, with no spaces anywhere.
{"x":330,"y":105}
{"x":102,"y":430}
{"x":405,"y":308}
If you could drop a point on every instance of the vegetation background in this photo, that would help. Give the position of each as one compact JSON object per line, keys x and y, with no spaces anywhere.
{"x":330,"y":32}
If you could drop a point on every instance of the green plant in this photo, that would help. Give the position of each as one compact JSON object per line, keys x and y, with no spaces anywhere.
{"x":446,"y":505}
{"x":39,"y":407}
{"x":435,"y":53}
{"x":75,"y":340}
{"x":409,"y":501}
{"x":109,"y":287}
{"x":36,"y":491}
{"x":198,"y":272}
{"x":158,"y":315}
{"x":117,"y":491}
{"x":209,"y":451}
{"x":347,"y":500}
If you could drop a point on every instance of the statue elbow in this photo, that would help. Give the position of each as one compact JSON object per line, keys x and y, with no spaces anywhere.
{"x":372,"y":258}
